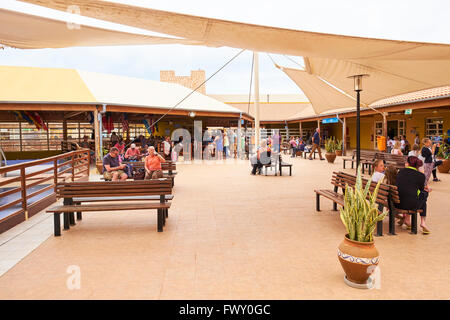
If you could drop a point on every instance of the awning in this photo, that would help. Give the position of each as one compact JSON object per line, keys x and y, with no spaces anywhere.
{"x":26,"y":31}
{"x":216,"y":32}
{"x":322,"y":96}
{"x":395,"y":67}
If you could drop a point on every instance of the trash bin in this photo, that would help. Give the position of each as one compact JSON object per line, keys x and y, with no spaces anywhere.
{"x":381,"y":143}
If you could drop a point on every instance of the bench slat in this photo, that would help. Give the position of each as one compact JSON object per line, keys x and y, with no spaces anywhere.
{"x":109,"y":207}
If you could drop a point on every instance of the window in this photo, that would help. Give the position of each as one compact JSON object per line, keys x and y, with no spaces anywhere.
{"x":434,"y":127}
{"x":401,"y":127}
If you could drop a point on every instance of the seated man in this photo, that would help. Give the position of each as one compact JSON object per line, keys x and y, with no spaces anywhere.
{"x":133,"y":153}
{"x":153,"y":164}
{"x":112,"y":169}
{"x":301,"y":146}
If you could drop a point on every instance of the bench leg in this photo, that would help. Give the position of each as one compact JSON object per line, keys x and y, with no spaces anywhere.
{"x":380,"y":228}
{"x":391,"y":223}
{"x":57,"y":224}
{"x":72,"y":218}
{"x":414,"y":223}
{"x":334,"y":206}
{"x":343,"y":162}
{"x":79,"y":216}
{"x":317,"y":202}
{"x":290,"y":171}
{"x":160,"y":220}
{"x":66,"y":221}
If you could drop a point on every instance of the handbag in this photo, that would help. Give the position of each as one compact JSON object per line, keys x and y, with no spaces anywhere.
{"x":139,"y":174}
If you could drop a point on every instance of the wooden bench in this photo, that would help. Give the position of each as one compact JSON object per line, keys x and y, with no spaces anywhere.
{"x":366,"y":159}
{"x":308,"y":152}
{"x":273,"y":163}
{"x":132,"y":193}
{"x":398,"y":161}
{"x":341,"y":179}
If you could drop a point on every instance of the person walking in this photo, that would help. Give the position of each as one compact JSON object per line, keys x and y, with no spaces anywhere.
{"x":428,"y":150}
{"x":226,"y":145}
{"x":166,"y":148}
{"x":316,"y":145}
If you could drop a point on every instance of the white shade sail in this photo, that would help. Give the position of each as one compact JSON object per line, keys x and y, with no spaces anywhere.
{"x":322,"y":96}
{"x":395,"y":67}
{"x":26,"y":31}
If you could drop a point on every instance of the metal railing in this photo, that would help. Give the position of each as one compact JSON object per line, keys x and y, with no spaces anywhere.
{"x":19,"y":191}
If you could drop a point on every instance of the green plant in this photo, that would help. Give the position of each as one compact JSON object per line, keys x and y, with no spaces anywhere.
{"x":338,"y":144}
{"x":360,"y":212}
{"x":443,"y":148}
{"x":330,"y":145}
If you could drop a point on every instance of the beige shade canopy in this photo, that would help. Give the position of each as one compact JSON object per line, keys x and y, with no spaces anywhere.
{"x":24,"y":31}
{"x":395,"y":67}
{"x":215,"y":32}
{"x":322,"y":96}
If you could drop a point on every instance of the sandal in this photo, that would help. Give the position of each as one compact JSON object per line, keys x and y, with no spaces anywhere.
{"x":408,"y":227}
{"x":401,"y":221}
{"x":425,"y":230}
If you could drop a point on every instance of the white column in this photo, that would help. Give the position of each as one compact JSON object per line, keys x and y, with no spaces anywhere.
{"x":257,"y":130}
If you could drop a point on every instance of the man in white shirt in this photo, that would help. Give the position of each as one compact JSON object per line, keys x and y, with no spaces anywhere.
{"x":166,"y":148}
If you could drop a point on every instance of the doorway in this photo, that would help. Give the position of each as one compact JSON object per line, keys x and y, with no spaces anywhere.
{"x":392,"y":129}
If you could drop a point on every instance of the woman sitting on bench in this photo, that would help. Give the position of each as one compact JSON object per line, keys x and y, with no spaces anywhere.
{"x":261,"y":158}
{"x":413,"y":191}
{"x":153,"y":162}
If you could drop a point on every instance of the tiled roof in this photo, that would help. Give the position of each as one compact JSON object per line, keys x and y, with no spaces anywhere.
{"x":414,"y":96}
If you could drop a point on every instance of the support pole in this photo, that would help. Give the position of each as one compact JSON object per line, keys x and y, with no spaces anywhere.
{"x":256,"y":93}
{"x":358,"y":122}
{"x":385,"y":131}
{"x":344,"y":136}
{"x":300,"y":130}
{"x":98,"y":150}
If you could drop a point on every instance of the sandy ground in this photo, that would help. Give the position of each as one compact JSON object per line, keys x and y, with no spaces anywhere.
{"x":231,"y":235}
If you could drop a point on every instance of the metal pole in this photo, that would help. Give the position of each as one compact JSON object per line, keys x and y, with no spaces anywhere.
{"x":256,"y":93}
{"x":358,"y":142}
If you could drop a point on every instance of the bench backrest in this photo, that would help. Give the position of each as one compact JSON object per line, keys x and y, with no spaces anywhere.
{"x":164,"y":165}
{"x":114,"y":188}
{"x":397,"y":159}
{"x":341,"y":179}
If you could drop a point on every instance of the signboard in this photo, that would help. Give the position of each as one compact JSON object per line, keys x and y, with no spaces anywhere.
{"x":408,"y":111}
{"x":330,"y":120}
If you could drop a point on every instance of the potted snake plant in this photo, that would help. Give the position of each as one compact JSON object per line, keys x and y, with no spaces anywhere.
{"x":357,"y":253}
{"x":330,"y":148}
{"x":339,"y":148}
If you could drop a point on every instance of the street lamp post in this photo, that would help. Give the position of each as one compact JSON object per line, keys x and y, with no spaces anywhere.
{"x":358,"y":88}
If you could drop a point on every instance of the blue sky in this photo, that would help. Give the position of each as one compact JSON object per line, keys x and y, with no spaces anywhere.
{"x":413,"y":20}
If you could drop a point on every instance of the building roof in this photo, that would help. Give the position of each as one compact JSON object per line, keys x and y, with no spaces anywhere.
{"x":439,"y":92}
{"x":71,"y":86}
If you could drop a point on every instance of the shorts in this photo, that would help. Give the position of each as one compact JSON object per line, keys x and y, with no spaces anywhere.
{"x":108,"y":175}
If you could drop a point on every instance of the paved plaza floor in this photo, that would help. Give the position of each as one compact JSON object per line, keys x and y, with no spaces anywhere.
{"x":229,"y":235}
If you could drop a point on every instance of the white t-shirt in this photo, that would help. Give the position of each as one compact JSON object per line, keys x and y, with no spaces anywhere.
{"x":377,"y":176}
{"x":413,"y":153}
{"x":166,"y":148}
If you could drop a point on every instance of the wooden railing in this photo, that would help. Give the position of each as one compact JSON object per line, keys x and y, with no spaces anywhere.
{"x":16,"y":198}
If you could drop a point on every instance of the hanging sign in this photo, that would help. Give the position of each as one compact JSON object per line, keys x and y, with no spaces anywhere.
{"x":330,"y":120}
{"x":408,"y":111}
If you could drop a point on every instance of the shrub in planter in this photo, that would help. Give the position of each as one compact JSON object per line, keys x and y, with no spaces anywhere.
{"x":330,"y":148}
{"x":338,"y":148}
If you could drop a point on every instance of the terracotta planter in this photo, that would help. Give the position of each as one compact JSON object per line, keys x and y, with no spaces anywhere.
{"x":330,"y":157}
{"x":339,"y":153}
{"x":358,"y":259}
{"x":444,"y":167}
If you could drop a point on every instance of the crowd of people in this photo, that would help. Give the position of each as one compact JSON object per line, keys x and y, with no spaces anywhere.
{"x":413,"y":180}
{"x":113,"y":167}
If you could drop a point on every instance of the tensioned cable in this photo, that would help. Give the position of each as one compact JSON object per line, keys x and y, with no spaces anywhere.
{"x":293,"y":61}
{"x":228,"y":62}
